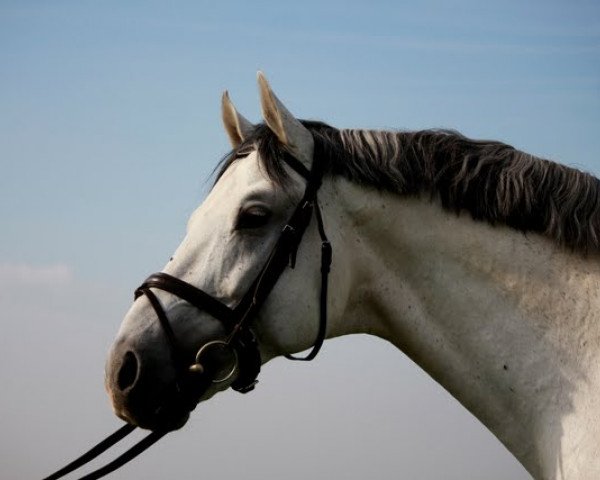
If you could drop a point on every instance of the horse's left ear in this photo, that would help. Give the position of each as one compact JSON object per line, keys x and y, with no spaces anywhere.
{"x":236,"y":125}
{"x":289,"y":131}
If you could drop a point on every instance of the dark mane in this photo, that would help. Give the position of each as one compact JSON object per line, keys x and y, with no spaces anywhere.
{"x":490,"y":180}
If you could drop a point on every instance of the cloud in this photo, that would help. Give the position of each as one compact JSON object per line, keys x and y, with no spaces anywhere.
{"x":41,"y":275}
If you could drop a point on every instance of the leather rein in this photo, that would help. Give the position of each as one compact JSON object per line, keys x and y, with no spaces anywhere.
{"x":192,"y":379}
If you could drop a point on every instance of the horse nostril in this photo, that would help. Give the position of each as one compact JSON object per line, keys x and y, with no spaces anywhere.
{"x":128,"y":371}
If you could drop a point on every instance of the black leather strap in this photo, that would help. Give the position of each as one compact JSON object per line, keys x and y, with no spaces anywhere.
{"x":93,"y":452}
{"x":174,"y":346}
{"x":189,"y":293}
{"x":326,"y":258}
{"x":297,"y":166}
{"x":126,"y":457}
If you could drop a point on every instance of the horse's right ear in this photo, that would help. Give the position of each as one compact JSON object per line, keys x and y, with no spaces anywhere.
{"x":238,"y":128}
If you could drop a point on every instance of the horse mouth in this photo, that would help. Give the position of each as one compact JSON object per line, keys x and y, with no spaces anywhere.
{"x":168,"y":411}
{"x":162,"y":419}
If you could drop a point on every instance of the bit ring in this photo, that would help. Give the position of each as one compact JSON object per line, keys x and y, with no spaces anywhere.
{"x":213,"y":343}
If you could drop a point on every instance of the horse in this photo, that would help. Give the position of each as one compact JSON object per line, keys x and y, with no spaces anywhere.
{"x":478,"y":261}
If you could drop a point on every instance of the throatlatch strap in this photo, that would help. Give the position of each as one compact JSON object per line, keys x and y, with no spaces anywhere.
{"x":326,"y":257}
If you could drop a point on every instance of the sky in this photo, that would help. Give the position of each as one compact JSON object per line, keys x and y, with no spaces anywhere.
{"x":109,"y":132}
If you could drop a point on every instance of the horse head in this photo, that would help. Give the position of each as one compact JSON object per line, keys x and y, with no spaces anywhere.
{"x":227,"y":302}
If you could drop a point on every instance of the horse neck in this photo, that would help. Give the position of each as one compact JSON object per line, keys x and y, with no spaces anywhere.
{"x":507,"y":323}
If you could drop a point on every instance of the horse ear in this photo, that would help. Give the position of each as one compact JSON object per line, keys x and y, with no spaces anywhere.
{"x":238,"y":128}
{"x":289,"y":131}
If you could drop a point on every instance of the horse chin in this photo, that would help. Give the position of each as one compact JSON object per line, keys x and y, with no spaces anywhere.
{"x":171,"y":413}
{"x":162,"y":421}
{"x":170,"y":421}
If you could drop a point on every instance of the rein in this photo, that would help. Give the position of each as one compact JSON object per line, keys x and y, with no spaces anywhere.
{"x":193,"y":378}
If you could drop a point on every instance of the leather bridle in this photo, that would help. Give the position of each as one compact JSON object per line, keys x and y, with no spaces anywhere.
{"x":193,"y":378}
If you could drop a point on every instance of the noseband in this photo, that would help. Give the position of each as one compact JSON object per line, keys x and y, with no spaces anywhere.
{"x":194,"y":377}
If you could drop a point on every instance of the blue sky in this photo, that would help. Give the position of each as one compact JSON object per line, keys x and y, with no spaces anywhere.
{"x":109,"y":131}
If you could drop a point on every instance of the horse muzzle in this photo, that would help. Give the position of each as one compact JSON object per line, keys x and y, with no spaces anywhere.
{"x":156,"y":395}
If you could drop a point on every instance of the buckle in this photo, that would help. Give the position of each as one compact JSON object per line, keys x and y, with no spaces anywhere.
{"x":288,"y":229}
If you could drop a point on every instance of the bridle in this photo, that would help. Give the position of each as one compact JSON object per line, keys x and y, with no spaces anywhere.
{"x":238,"y":320}
{"x":193,"y":378}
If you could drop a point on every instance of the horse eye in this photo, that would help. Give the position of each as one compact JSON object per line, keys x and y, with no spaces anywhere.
{"x":253,"y":217}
